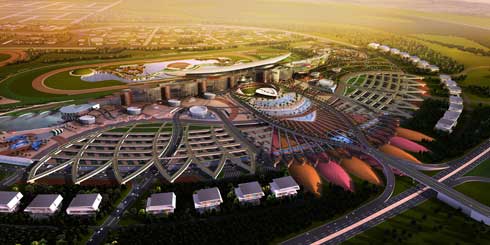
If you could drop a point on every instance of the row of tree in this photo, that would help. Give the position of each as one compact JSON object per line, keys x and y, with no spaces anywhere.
{"x":477,"y":51}
{"x":481,"y":91}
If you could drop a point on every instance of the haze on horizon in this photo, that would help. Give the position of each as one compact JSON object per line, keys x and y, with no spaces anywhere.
{"x":466,"y":7}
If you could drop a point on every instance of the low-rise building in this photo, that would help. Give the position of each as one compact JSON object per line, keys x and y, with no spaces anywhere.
{"x":404,"y":55}
{"x":161,"y":203}
{"x":434,"y":68}
{"x":454,"y":90}
{"x":284,"y":186}
{"x":394,"y":51}
{"x":455,"y":100}
{"x":9,"y":201}
{"x":373,"y":45}
{"x":445,"y":125}
{"x":250,"y":192}
{"x":414,"y":59}
{"x":45,"y":204}
{"x":423,"y":64}
{"x":444,"y":78}
{"x":207,"y":199}
{"x":384,"y":48}
{"x":456,"y":107}
{"x":84,"y":204}
{"x":452,"y":115}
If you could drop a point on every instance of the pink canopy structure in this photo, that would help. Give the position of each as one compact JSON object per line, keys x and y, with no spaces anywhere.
{"x":407,"y":145}
{"x":335,"y":174}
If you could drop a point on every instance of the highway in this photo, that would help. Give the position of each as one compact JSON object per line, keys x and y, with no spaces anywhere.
{"x":363,"y":219}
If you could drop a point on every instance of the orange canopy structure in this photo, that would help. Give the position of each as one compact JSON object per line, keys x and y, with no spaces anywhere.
{"x":306,"y":176}
{"x":360,"y":169}
{"x":397,"y":152}
{"x":412,"y":135}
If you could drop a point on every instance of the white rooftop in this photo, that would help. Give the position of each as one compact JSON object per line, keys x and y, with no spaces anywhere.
{"x":237,"y":67}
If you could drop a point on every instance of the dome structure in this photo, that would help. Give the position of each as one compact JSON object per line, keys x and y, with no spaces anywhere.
{"x":198,"y":111}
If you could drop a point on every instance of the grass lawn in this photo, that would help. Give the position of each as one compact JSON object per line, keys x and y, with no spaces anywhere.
{"x":66,"y":81}
{"x":476,"y":190}
{"x":83,"y":71}
{"x":19,"y":87}
{"x":199,"y":127}
{"x":249,"y":91}
{"x":167,"y":129}
{"x":144,"y":130}
{"x":482,"y":170}
{"x":149,"y":125}
{"x":402,"y":183}
{"x":4,"y":57}
{"x":452,"y":40}
{"x":466,"y":58}
{"x":432,"y":222}
{"x":480,"y":77}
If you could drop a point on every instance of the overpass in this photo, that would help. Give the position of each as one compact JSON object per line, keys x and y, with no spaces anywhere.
{"x":445,"y":193}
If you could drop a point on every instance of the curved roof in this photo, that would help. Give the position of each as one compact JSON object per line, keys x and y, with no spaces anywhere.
{"x":360,"y":169}
{"x":335,"y":174}
{"x":222,"y":69}
{"x":70,"y":109}
{"x":307,"y":176}
{"x":412,"y":135}
{"x":397,"y":152}
{"x":407,"y":145}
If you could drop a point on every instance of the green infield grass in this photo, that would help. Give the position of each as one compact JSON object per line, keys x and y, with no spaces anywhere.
{"x":4,"y":57}
{"x":81,"y":72}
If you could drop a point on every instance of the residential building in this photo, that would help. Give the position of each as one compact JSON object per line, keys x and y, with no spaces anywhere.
{"x":84,"y":204}
{"x":9,"y":201}
{"x":161,"y":203}
{"x":456,"y":107}
{"x":284,"y":186}
{"x":374,"y":45}
{"x":250,"y":192}
{"x":445,"y":125}
{"x":45,"y":204}
{"x":207,"y":199}
{"x":455,"y":100}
